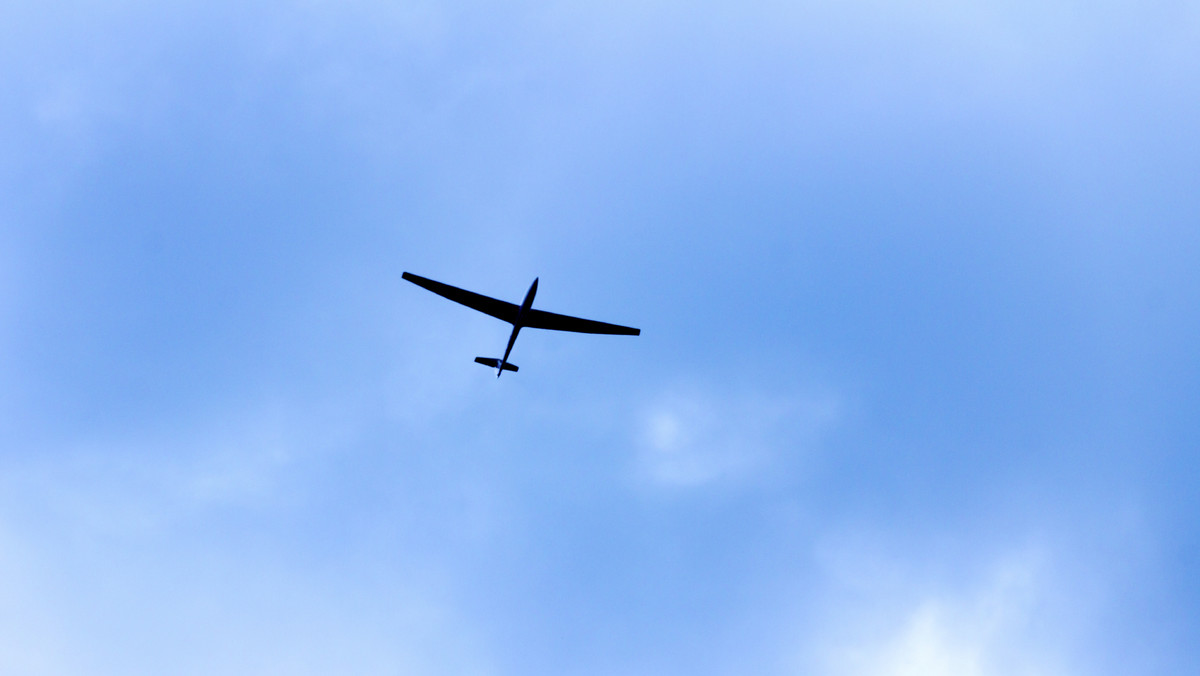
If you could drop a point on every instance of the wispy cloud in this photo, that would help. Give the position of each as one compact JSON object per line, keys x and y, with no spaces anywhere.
{"x":228,"y":431}
{"x":691,"y":436}
{"x":994,"y":627}
{"x":155,"y":475}
{"x":177,"y":550}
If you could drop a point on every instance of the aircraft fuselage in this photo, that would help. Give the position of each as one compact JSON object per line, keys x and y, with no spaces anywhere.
{"x":526,"y":306}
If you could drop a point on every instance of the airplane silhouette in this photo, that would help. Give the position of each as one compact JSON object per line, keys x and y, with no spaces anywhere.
{"x":520,"y":316}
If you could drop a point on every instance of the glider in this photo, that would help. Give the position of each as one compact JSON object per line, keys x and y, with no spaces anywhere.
{"x":520,"y":316}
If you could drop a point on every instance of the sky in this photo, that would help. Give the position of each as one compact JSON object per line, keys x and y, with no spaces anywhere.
{"x":915,"y":393}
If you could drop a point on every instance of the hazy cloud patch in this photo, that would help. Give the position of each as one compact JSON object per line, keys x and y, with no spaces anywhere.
{"x":994,"y":627}
{"x":147,"y":479}
{"x":30,"y":637}
{"x":691,"y":436}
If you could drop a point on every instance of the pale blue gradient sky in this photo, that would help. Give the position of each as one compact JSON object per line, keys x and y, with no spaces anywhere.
{"x":916,"y":390}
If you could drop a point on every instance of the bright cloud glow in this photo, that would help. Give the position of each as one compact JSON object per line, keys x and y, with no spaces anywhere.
{"x":989,"y":630}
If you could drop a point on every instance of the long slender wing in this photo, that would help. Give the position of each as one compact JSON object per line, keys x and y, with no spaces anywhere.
{"x":540,"y":319}
{"x":496,"y":308}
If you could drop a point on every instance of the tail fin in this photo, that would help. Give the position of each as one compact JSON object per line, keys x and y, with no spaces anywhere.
{"x":495,"y":363}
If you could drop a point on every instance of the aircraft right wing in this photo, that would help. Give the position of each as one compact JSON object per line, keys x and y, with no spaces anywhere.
{"x":496,"y":308}
{"x":540,"y":319}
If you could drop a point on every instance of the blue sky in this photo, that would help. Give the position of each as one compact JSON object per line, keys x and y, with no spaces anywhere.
{"x":915,"y":393}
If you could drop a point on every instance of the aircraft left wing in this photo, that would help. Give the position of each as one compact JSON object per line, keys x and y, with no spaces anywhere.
{"x":540,"y":319}
{"x":496,"y":308}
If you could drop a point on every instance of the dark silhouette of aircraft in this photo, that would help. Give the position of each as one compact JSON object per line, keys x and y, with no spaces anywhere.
{"x":520,"y":316}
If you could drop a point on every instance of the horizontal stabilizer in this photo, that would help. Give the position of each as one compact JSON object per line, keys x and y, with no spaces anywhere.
{"x":495,"y":363}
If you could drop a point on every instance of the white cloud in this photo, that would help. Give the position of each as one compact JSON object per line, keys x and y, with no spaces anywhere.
{"x":990,"y":629}
{"x":691,"y":436}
